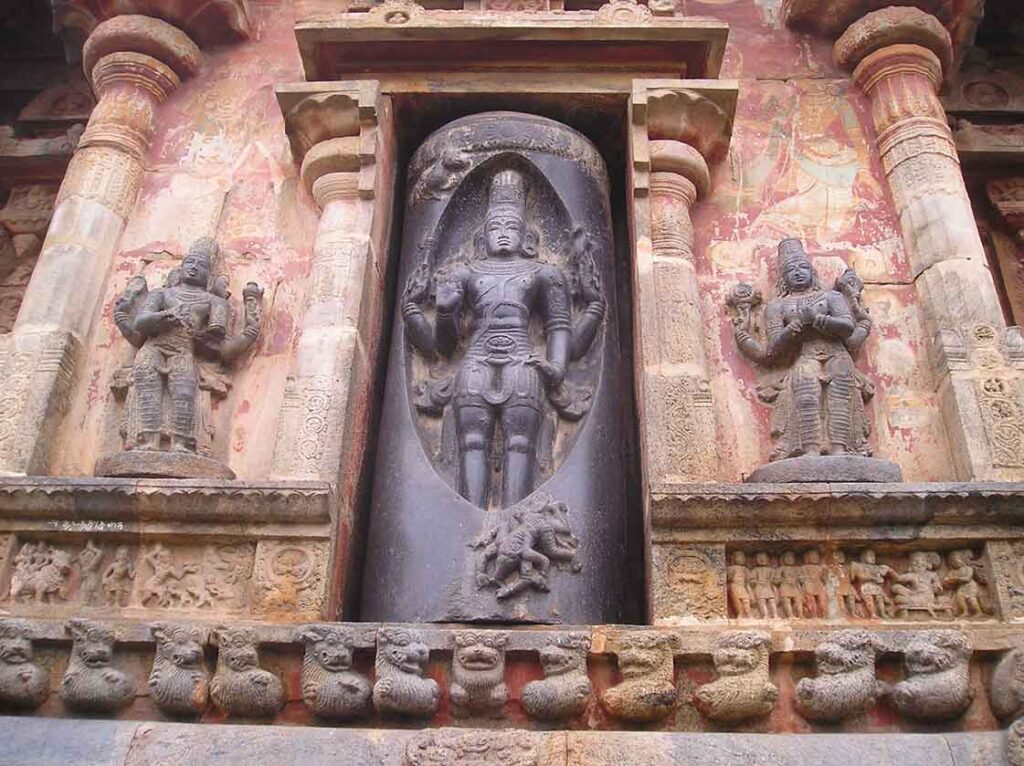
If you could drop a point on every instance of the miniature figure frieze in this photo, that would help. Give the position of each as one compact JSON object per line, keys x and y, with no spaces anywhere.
{"x":478,"y":673}
{"x":183,"y":333}
{"x":517,"y":554}
{"x":1007,"y":685}
{"x":845,"y":686}
{"x":331,"y":688}
{"x":647,"y":691}
{"x":41,"y":574}
{"x":240,"y":687}
{"x":23,"y":684}
{"x":402,"y":686}
{"x":743,"y":688}
{"x":91,"y":683}
{"x":565,"y":690}
{"x":209,"y":578}
{"x":179,"y":682}
{"x":937,"y":686}
{"x":465,"y":747}
{"x":504,"y":376}
{"x":819,"y":426}
{"x":917,"y":585}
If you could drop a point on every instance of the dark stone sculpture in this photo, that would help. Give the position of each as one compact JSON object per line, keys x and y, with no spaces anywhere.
{"x":402,"y":686}
{"x":1007,"y":685}
{"x":503,"y":416}
{"x":565,"y":689}
{"x":478,"y":673}
{"x":182,"y":333}
{"x":330,"y":687}
{"x":938,"y":682}
{"x":179,"y":682}
{"x":23,"y":684}
{"x":743,"y":688}
{"x":91,"y":684}
{"x":240,"y":687}
{"x":845,"y":685}
{"x":819,"y":422}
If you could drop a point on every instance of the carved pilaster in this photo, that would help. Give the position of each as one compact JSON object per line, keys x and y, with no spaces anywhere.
{"x":682,"y":131}
{"x":134,"y":63}
{"x":898,"y":57}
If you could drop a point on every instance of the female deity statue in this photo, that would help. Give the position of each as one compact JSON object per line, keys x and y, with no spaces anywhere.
{"x":819,"y":422}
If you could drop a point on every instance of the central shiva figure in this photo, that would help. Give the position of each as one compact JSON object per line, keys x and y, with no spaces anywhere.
{"x":502,"y":377}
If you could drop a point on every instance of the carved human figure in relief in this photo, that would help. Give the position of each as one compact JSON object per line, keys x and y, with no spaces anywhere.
{"x":870,"y":578}
{"x":119,"y":577}
{"x":737,"y":575}
{"x":790,"y":583}
{"x":812,"y":331}
{"x":763,"y":579}
{"x":917,"y":590}
{"x":846,"y":595}
{"x":502,"y":378}
{"x":962,"y":577}
{"x":814,"y":580}
{"x":182,"y":331}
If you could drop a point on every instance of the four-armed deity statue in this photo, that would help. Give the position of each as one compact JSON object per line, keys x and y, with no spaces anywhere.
{"x":500,"y":465}
{"x":183,"y":335}
{"x":819,"y":423}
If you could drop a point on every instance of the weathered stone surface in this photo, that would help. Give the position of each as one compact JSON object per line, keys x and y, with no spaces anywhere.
{"x":832,"y":468}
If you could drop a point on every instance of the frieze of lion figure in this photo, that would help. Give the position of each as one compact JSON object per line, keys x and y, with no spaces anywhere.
{"x":91,"y":683}
{"x":240,"y":687}
{"x":23,"y":684}
{"x":402,"y":686}
{"x":330,"y":687}
{"x":846,"y":685}
{"x":478,"y":673}
{"x":647,"y":691}
{"x":938,"y":683}
{"x":743,"y":688}
{"x":179,"y":683}
{"x":565,"y":689}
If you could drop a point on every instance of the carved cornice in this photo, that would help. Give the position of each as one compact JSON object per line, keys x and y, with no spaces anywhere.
{"x":142,"y":35}
{"x":321,"y":117}
{"x":74,"y":500}
{"x":690,"y":117}
{"x":208,"y":22}
{"x":890,"y":27}
{"x":829,"y":18}
{"x":1007,"y":196}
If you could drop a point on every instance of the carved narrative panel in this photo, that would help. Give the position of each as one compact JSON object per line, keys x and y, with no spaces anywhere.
{"x":499,"y":489}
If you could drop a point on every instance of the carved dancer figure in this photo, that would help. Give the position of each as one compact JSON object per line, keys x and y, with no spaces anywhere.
{"x":846,"y":595}
{"x":764,"y":578}
{"x":502,"y":378}
{"x":814,"y":577}
{"x":119,"y":577}
{"x":737,"y":575}
{"x":870,"y":577}
{"x":790,"y":586}
{"x":89,"y":560}
{"x":182,"y":332}
{"x":962,"y":576}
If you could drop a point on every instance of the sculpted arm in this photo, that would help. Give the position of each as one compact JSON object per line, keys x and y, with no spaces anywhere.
{"x":557,"y":325}
{"x":153,"y":317}
{"x":451,"y":290}
{"x":585,"y":328}
{"x":237,"y":345}
{"x":781,"y":338}
{"x":417,"y":326}
{"x":838,"y":322}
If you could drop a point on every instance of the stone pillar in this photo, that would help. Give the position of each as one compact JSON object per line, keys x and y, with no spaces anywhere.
{"x":684,"y":131}
{"x":898,"y":56}
{"x":133,"y":62}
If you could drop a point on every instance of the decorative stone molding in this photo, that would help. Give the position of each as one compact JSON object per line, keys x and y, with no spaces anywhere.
{"x":679,"y":127}
{"x":830,"y":17}
{"x":1007,"y":197}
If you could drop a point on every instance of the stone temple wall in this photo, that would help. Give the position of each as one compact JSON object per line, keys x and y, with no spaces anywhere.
{"x":429,"y":383}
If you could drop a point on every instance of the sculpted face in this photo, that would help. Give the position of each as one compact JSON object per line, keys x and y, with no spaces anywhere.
{"x":240,"y":658}
{"x":798,"y":274}
{"x":504,"y":234}
{"x":195,"y":270}
{"x":332,"y":653}
{"x":15,"y":650}
{"x":557,"y":660}
{"x":478,"y":657}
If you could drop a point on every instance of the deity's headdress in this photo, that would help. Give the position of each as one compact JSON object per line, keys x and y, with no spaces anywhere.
{"x":792,"y":251}
{"x":507,"y":195}
{"x":205,"y":248}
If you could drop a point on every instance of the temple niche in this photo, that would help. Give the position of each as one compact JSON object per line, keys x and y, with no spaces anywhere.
{"x":497,"y":472}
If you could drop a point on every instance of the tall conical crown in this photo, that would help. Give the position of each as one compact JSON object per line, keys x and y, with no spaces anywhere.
{"x":791,"y":250}
{"x":507,"y":194}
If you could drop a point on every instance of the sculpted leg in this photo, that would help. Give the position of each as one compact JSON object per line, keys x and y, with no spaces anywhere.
{"x":841,"y":388}
{"x":475,"y":427}
{"x":807,"y":400}
{"x":521,"y":425}
{"x":147,"y":381}
{"x":182,"y":380}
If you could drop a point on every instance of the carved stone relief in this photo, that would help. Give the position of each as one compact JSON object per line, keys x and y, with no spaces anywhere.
{"x":401,"y":686}
{"x":330,"y":687}
{"x":478,"y":673}
{"x":647,"y":691}
{"x":503,"y":367}
{"x":472,"y":748}
{"x":91,"y":683}
{"x":938,"y":682}
{"x":820,"y":427}
{"x":290,"y":577}
{"x":845,"y":685}
{"x":179,"y":682}
{"x":565,"y":690}
{"x":743,"y":688}
{"x":240,"y":687}
{"x":23,"y":684}
{"x":183,"y":335}
{"x":695,"y":578}
{"x":1007,"y":690}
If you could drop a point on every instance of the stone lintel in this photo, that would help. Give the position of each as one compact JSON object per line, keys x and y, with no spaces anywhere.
{"x":404,"y":37}
{"x":79,"y":501}
{"x":970,"y":508}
